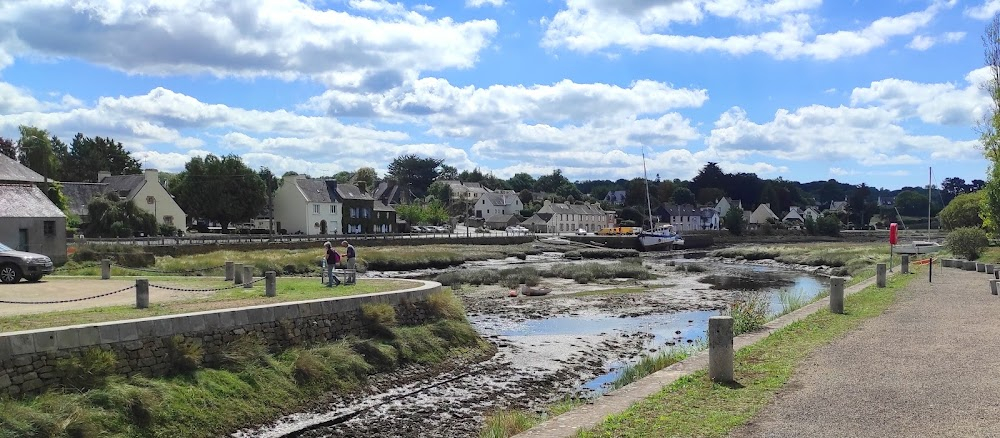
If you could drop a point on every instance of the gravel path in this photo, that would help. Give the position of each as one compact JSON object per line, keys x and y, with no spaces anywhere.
{"x":927,"y":367}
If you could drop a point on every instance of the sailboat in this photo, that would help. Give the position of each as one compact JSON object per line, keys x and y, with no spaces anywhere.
{"x":662,"y":236}
{"x":921,"y":246}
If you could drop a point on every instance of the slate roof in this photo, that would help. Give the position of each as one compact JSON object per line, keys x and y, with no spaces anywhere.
{"x":379,"y":206}
{"x":678,"y":210}
{"x":501,"y":219}
{"x":79,"y":194}
{"x":501,"y":199}
{"x":387,"y":192}
{"x":352,"y":192}
{"x":538,"y":219}
{"x":563,"y":208}
{"x":125,"y":185}
{"x":318,"y":190}
{"x":12,"y":171}
{"x":26,"y":200}
{"x":616,"y":196}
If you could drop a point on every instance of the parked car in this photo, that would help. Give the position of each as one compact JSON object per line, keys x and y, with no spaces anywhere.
{"x":517,"y":229}
{"x":15,"y":265}
{"x":581,"y":232}
{"x":417,"y":229}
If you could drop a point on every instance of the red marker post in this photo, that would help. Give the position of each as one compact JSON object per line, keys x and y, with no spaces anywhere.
{"x":892,"y":241}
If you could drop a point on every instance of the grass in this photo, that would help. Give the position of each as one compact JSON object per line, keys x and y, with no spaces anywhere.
{"x":580,"y":272}
{"x":856,"y":260}
{"x":289,"y":289}
{"x":695,"y":406}
{"x":215,"y":402}
{"x":651,"y":364}
{"x":791,"y":300}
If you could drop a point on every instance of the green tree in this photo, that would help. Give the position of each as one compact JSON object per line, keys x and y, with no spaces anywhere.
{"x":911,"y":203}
{"x":963,"y":211}
{"x":733,"y":221}
{"x":448,"y":172}
{"x":968,"y":242}
{"x":859,"y":205}
{"x":709,"y":195}
{"x":828,"y":225}
{"x":111,"y":216}
{"x":551,"y":182}
{"x":440,"y":191}
{"x":682,"y":195}
{"x":271,"y":184}
{"x":989,"y":128}
{"x":8,"y":148}
{"x":521,"y":181}
{"x":414,"y":174}
{"x":366,"y":175}
{"x":525,"y":196}
{"x":221,"y":189}
{"x":35,"y":151}
{"x":665,"y":191}
{"x":342,"y":177}
{"x":88,"y":156}
{"x":635,"y":193}
{"x":710,"y":176}
{"x":831,"y":191}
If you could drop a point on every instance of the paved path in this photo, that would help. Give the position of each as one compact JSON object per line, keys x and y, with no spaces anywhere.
{"x":68,"y":288}
{"x":929,"y":366}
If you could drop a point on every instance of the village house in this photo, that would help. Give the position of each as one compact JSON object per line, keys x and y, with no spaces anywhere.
{"x":615,"y":197}
{"x":144,"y":190}
{"x":385,"y":219}
{"x":682,"y":217}
{"x":358,"y":208}
{"x":567,"y":218}
{"x":29,"y":221}
{"x":710,"y":218}
{"x":504,"y":202}
{"x":762,"y":215}
{"x":723,"y":205}
{"x":307,"y":206}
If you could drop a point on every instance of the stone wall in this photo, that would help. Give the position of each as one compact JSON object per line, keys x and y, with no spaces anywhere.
{"x":28,"y":358}
{"x":359,"y":242}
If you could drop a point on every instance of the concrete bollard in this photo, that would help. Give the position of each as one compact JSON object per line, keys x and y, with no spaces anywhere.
{"x":837,"y":294}
{"x":945,"y":263}
{"x":969,"y":265}
{"x":247,"y":277}
{"x":904,"y":266}
{"x":880,"y":274}
{"x":720,"y":348}
{"x":141,"y":293}
{"x":989,"y":268}
{"x":270,"y":284}
{"x":237,"y":273}
{"x":994,"y":285}
{"x":105,"y":269}
{"x":229,"y":271}
{"x":980,"y":267}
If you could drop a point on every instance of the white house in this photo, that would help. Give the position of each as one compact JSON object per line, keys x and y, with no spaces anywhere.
{"x":793,"y":217}
{"x":682,"y":217}
{"x":568,"y":217}
{"x":710,"y":219}
{"x":504,"y":202}
{"x":762,"y":214}
{"x":724,"y":204}
{"x":144,"y":190}
{"x":307,"y":206}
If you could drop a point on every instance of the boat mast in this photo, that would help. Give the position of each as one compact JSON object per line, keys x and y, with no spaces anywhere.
{"x":930,"y":178}
{"x":645,"y":182}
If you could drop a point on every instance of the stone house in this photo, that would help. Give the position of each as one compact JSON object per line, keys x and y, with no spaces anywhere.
{"x":144,"y":190}
{"x":504,"y":202}
{"x":502,"y":221}
{"x":538,"y":223}
{"x":386,"y":220}
{"x":307,"y":206}
{"x":29,"y":221}
{"x":568,"y":217}
{"x":358,"y":211}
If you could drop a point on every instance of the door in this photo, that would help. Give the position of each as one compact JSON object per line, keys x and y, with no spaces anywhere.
{"x":22,"y":239}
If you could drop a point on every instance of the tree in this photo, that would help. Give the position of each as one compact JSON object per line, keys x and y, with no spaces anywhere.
{"x":271,"y":184}
{"x":414,"y":174}
{"x":448,"y":173}
{"x":220,"y":189}
{"x":665,"y":191}
{"x":111,"y":216}
{"x":952,"y":187}
{"x":963,"y":211}
{"x":440,"y":191}
{"x":550,"y":183}
{"x":831,"y":191}
{"x":635,"y":193}
{"x":710,"y":176}
{"x":525,"y":196}
{"x":733,"y":221}
{"x":828,"y":225}
{"x":859,"y":205}
{"x":633,"y":215}
{"x":709,"y":195}
{"x":88,"y":156}
{"x":7,"y":148}
{"x":911,"y":203}
{"x":34,"y":151}
{"x":491,"y":182}
{"x":342,"y":177}
{"x":521,"y":181}
{"x":989,"y":128}
{"x":968,"y":242}
{"x":682,"y":196}
{"x":366,"y":175}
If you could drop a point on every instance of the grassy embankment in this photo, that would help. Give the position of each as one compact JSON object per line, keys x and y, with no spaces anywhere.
{"x":856,"y":260}
{"x":288,"y":289}
{"x":249,"y":386}
{"x":695,"y":406}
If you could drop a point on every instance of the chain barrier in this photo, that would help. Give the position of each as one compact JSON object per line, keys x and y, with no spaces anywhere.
{"x":179,"y":289}
{"x":188,"y":271}
{"x":69,"y":301}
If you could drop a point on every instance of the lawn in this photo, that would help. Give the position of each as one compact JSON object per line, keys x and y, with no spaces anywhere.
{"x":288,"y":288}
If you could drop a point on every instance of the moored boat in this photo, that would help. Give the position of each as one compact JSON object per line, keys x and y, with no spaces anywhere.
{"x":917,"y":247}
{"x":660,"y":238}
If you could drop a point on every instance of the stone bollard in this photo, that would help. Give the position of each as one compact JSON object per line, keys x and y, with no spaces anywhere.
{"x":880,"y":275}
{"x":980,"y":267}
{"x":237,"y":273}
{"x":247,"y":277}
{"x":141,"y":293}
{"x":945,"y":263}
{"x":270,"y":284}
{"x":904,"y":266}
{"x":720,"y":348}
{"x":994,"y":285}
{"x":105,"y":269}
{"x":837,"y":294}
{"x":969,"y":265}
{"x":229,"y":271}
{"x":989,"y":268}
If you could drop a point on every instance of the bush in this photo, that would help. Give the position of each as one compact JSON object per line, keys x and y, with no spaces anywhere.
{"x":828,"y":225}
{"x":379,"y":319}
{"x":125,"y":255}
{"x":967,"y":242}
{"x":810,"y":225}
{"x":963,"y":211}
{"x":87,"y":371}
{"x":733,"y":220}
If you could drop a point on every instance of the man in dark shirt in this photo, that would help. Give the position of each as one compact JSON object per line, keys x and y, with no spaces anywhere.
{"x":350,"y":266}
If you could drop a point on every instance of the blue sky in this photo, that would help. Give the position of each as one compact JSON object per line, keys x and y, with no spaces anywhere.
{"x":860,"y":91}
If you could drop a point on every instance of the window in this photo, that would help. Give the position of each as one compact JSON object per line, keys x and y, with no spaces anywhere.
{"x":169,"y":220}
{"x":354,"y":213}
{"x":315,"y":208}
{"x":333,"y":208}
{"x":50,"y":228}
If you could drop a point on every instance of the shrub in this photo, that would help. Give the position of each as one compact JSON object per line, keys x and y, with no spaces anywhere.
{"x":125,"y":255}
{"x":766,"y":229}
{"x":749,"y":310}
{"x":379,"y":318}
{"x":87,"y":371}
{"x":968,"y":242}
{"x":733,"y":220}
{"x":444,"y":305}
{"x":809,"y":224}
{"x":185,"y":355}
{"x":963,"y":211}
{"x":828,"y":225}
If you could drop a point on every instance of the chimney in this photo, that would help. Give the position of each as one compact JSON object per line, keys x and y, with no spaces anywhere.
{"x":102,"y":174}
{"x":152,"y":175}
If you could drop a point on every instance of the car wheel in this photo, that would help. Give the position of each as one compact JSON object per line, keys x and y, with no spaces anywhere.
{"x":33,"y":278}
{"x":10,"y":273}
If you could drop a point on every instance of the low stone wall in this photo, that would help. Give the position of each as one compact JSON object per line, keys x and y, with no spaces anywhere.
{"x":360,"y":242}
{"x":28,"y":358}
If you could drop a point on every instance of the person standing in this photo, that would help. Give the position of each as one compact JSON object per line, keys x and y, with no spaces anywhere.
{"x":332,"y":260}
{"x":349,"y":276}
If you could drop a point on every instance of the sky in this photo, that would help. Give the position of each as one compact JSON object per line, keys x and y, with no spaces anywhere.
{"x":870,"y":91}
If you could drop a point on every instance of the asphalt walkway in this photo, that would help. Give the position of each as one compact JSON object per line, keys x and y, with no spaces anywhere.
{"x":929,"y":366}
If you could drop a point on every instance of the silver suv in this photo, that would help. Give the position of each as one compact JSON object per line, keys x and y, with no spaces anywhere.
{"x":17,"y":264}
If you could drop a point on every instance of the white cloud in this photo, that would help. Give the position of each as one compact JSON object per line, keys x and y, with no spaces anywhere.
{"x":984,"y":11}
{"x":273,"y":38}
{"x":924,"y":42}
{"x":591,"y":25}
{"x":937,"y":103}
{"x":481,"y":3}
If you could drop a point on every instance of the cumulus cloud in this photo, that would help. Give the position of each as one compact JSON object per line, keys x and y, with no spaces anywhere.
{"x":937,"y":103}
{"x":984,"y":11}
{"x":592,"y":25}
{"x":481,"y":3}
{"x":924,"y":42}
{"x":253,"y":38}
